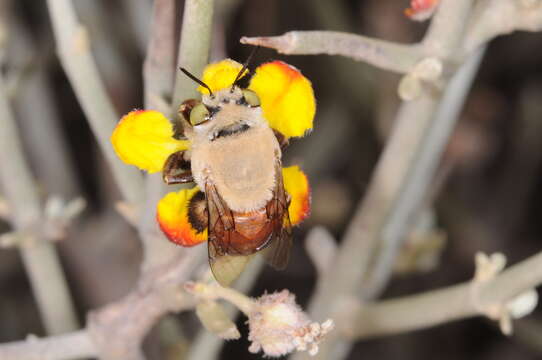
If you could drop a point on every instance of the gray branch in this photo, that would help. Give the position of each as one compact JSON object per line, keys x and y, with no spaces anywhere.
{"x":74,"y":345}
{"x":393,"y":172}
{"x":194,"y":48}
{"x":73,"y":46}
{"x":492,"y":18}
{"x":444,"y":305}
{"x":383,"y":54}
{"x":39,"y":255}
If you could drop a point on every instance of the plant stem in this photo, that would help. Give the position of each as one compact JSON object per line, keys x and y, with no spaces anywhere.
{"x":193,"y":49}
{"x":39,"y":255}
{"x":158,"y":72}
{"x":158,"y":76}
{"x":73,"y":46}
{"x":444,"y":305}
{"x":75,"y":345}
{"x":383,"y":54}
{"x":419,"y":178}
{"x":392,"y":172}
{"x":159,"y":66}
{"x":207,"y":345}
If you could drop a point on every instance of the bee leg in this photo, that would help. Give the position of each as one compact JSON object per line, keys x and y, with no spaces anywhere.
{"x":177,"y":169}
{"x":283,"y":140}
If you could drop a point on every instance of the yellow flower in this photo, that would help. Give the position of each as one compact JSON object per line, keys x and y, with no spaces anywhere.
{"x":175,"y":221}
{"x":297,"y":186}
{"x":286,"y":96}
{"x":180,"y":214}
{"x":220,"y":75}
{"x":144,"y":138}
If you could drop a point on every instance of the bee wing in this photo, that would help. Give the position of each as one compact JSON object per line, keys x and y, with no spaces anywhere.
{"x":225,"y":266}
{"x":277,"y":253}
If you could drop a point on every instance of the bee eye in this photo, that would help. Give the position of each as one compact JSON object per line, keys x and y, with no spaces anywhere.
{"x":251,"y":97}
{"x":199,"y":114}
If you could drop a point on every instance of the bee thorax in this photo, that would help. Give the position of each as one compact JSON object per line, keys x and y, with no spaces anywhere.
{"x":241,"y":167}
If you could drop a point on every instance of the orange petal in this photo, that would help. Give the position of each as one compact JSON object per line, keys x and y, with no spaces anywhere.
{"x":144,"y":138}
{"x":174,"y":220}
{"x":421,"y":10}
{"x":297,"y":186}
{"x":286,"y":96}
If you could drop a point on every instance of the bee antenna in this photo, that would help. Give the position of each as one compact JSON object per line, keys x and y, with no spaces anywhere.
{"x":245,"y":65}
{"x":197,"y":80}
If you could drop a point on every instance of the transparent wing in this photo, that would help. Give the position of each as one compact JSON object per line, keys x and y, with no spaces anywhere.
{"x":226,"y":267}
{"x":277,"y":254}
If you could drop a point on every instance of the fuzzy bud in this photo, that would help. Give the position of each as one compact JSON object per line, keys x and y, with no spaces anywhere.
{"x":278,"y":326}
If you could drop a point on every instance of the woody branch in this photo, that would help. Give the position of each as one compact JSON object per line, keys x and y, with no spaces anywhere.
{"x":363,"y":320}
{"x":73,"y":47}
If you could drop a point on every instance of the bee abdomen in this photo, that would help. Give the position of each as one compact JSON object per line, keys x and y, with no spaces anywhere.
{"x":252,"y":231}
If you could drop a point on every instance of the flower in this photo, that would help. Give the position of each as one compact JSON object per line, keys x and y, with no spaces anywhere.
{"x":174,"y":220}
{"x":286,"y":95}
{"x":278,"y":326}
{"x":145,"y":138}
{"x":297,"y":185}
{"x":421,"y":10}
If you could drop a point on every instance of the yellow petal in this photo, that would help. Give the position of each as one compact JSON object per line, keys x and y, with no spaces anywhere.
{"x":286,"y":96}
{"x":220,"y":75}
{"x":297,"y":186}
{"x":144,"y":138}
{"x":175,"y":221}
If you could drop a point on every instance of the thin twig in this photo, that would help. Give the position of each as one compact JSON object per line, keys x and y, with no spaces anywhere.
{"x":383,"y":54}
{"x":117,"y":330}
{"x":447,"y":29}
{"x":39,"y":256}
{"x":193,"y":53}
{"x":444,"y":305}
{"x":138,"y":14}
{"x":75,"y":345}
{"x":194,"y":47}
{"x":159,"y":66}
{"x":215,"y":292}
{"x":207,"y":345}
{"x":321,"y":248}
{"x":73,"y":46}
{"x":418,"y":180}
{"x":35,"y":91}
{"x":362,"y":321}
{"x":387,"y":184}
{"x":158,"y":76}
{"x":492,"y":18}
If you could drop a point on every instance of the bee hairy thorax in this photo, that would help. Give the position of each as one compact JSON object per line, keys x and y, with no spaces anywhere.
{"x":237,"y":153}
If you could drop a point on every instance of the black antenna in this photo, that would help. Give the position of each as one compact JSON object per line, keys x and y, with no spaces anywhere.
{"x":197,"y":80}
{"x":245,"y":65}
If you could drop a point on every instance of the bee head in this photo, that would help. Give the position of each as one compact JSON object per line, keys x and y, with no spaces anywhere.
{"x":233,"y":100}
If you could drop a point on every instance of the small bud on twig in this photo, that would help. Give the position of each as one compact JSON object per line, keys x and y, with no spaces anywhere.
{"x":277,"y":324}
{"x":487,"y":268}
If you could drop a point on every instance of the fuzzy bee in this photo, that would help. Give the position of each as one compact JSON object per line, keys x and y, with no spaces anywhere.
{"x":229,"y":144}
{"x":235,"y":159}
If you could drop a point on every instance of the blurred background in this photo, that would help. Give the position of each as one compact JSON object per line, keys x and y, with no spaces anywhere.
{"x":487,"y":192}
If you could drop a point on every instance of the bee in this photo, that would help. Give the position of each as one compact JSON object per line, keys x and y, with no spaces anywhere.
{"x":235,"y":160}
